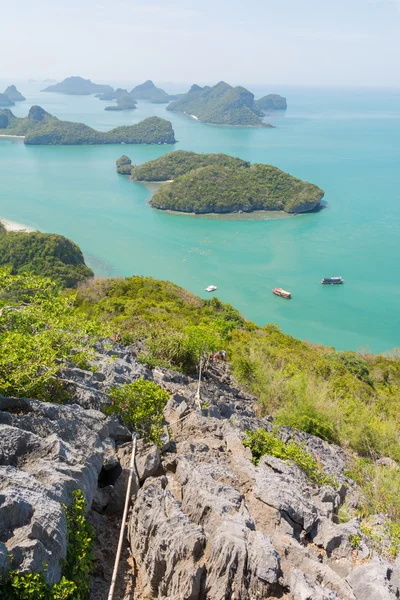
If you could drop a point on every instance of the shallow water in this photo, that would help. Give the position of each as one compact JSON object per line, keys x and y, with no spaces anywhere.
{"x":346,"y":141}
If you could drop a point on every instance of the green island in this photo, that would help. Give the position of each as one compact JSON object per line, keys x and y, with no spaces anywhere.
{"x":41,"y":128}
{"x":148,"y":91}
{"x":46,"y":254}
{"x":217,"y":183}
{"x":77,"y":86}
{"x":272,"y":102}
{"x":124,"y":102}
{"x":221,"y":104}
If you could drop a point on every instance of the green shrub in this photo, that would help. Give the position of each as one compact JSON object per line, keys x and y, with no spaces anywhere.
{"x":262,"y":442}
{"x":140,"y":405}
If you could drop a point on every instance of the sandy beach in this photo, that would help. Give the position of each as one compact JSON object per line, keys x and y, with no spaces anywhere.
{"x":14,"y":226}
{"x":20,"y":137}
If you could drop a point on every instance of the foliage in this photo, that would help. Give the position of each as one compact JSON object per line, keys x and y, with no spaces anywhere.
{"x":180,"y":162}
{"x":45,"y":254}
{"x":124,"y":165}
{"x":140,"y":405}
{"x":220,"y":189}
{"x":74,"y":584}
{"x":39,"y":127}
{"x":39,"y":329}
{"x":272,"y":102}
{"x":312,"y":388}
{"x":78,"y":563}
{"x":355,"y":541}
{"x":262,"y":442}
{"x":159,"y":313}
{"x":220,"y":105}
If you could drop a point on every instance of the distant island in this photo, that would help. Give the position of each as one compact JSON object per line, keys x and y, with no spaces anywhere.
{"x":217,"y":183}
{"x":45,"y":254}
{"x":77,"y":86}
{"x":148,"y":91}
{"x":124,"y":102}
{"x":10,"y":96}
{"x":112,"y":94}
{"x":272,"y":102}
{"x":221,"y":104}
{"x":41,"y":128}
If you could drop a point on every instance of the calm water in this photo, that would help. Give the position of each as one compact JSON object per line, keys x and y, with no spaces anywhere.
{"x":345,"y":141}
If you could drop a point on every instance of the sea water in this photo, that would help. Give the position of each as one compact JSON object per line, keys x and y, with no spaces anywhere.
{"x":344,"y":140}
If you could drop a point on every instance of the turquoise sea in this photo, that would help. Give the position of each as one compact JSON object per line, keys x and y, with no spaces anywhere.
{"x":347,"y":141}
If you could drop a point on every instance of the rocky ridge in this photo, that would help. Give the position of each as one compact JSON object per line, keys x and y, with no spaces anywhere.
{"x":205,"y":522}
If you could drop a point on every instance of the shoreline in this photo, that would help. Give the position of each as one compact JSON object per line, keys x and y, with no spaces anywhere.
{"x":14,"y":226}
{"x":19,"y":137}
{"x":255,"y":215}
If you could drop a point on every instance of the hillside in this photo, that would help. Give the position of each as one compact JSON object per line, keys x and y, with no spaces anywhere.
{"x":172,"y":165}
{"x":148,"y":91}
{"x":217,"y":183}
{"x":112,"y":94}
{"x":221,"y":104}
{"x":278,"y":480}
{"x":44,"y":254}
{"x":77,"y":86}
{"x":41,"y":128}
{"x":272,"y":102}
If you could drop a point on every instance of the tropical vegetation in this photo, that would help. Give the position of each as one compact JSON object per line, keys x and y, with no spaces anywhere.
{"x":148,"y":91}
{"x":238,"y":186}
{"x":272,"y":102}
{"x":77,"y":86}
{"x":45,"y":254}
{"x":174,"y":164}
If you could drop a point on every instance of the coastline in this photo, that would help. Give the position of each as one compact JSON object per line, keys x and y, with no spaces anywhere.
{"x":4,"y":135}
{"x":255,"y":215}
{"x":14,"y":226}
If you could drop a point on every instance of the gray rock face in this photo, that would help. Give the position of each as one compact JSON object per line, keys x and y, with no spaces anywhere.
{"x":377,"y":580}
{"x":113,"y":366}
{"x":46,"y":452}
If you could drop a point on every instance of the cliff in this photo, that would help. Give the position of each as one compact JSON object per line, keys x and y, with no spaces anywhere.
{"x":221,"y":104}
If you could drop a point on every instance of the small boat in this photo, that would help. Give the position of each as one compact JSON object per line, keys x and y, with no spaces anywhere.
{"x":282,"y":293}
{"x":332,"y":280}
{"x":211,"y":288}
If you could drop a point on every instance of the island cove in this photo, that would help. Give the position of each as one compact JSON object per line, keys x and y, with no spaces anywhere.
{"x":221,"y":184}
{"x":42,"y":128}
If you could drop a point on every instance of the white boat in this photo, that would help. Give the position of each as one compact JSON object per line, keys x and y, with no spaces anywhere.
{"x":211,"y":288}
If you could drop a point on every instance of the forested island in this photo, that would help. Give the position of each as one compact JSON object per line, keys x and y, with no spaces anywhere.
{"x":272,"y":102}
{"x":221,"y":104}
{"x":124,"y":102}
{"x":42,"y":128}
{"x":217,"y":183}
{"x":77,"y":86}
{"x":112,"y":94}
{"x":148,"y":91}
{"x":45,"y":254}
{"x":5,"y":100}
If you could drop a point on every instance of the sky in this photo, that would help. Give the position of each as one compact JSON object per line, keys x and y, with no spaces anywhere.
{"x":310,"y":42}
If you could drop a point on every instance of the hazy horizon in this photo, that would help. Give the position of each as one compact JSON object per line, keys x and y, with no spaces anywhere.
{"x":346,"y":43}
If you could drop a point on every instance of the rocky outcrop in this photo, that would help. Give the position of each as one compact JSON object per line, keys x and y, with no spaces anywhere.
{"x":46,"y":452}
{"x":205,"y":521}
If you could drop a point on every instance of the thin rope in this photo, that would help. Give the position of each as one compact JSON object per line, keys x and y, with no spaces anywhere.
{"x":122,"y":531}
